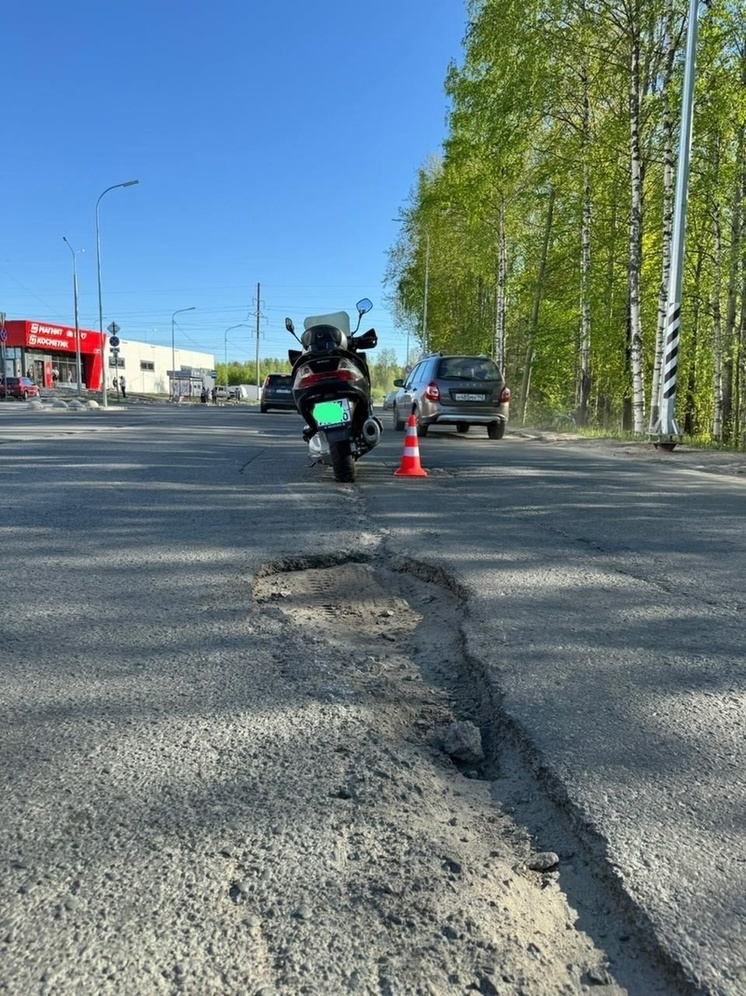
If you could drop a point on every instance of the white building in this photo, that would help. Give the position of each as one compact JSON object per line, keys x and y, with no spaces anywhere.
{"x":147,"y":368}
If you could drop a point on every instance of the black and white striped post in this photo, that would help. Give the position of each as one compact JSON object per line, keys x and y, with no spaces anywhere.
{"x":666,"y":432}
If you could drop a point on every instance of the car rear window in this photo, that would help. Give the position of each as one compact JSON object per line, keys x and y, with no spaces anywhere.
{"x":276,"y":379}
{"x":467,"y":368}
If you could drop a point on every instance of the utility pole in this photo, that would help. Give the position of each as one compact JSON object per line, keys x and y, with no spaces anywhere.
{"x":257,"y":341}
{"x":78,"y":368}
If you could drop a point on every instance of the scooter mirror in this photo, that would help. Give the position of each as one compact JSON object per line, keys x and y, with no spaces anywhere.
{"x":289,"y":325}
{"x":364,"y":306}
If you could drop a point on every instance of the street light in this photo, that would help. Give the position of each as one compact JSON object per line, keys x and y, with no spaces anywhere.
{"x":115,"y":186}
{"x":241,"y":325}
{"x":78,"y":371}
{"x":173,"y":345}
{"x":666,"y":432}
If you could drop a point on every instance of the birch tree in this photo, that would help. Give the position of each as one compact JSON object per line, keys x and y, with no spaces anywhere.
{"x":581,"y":97}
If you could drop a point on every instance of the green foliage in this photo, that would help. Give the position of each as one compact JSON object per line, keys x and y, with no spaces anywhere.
{"x":382,"y":363}
{"x":245,"y":373}
{"x":541,"y":100}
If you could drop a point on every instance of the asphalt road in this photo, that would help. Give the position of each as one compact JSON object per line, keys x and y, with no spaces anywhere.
{"x":605,"y":606}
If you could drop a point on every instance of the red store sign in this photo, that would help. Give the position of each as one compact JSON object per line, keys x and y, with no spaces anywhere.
{"x":59,"y":339}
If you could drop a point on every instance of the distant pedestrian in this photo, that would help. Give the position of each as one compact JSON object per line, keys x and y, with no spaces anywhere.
{"x":122,"y":386}
{"x":115,"y":382}
{"x":203,"y":396}
{"x":214,"y":395}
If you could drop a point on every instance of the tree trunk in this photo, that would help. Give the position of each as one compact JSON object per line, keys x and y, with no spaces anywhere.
{"x":635,"y":237}
{"x":584,"y":380}
{"x":737,"y":262}
{"x":717,"y":356}
{"x":690,"y":421}
{"x":627,"y":421}
{"x":604,"y":402}
{"x":742,"y":357}
{"x":502,"y":272}
{"x":525,"y":386}
{"x":742,"y":323}
{"x":667,"y":229}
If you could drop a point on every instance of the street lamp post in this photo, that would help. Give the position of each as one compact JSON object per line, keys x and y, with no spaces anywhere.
{"x":78,"y":371}
{"x":115,"y":186}
{"x":173,"y":346}
{"x":241,"y":325}
{"x":666,"y":432}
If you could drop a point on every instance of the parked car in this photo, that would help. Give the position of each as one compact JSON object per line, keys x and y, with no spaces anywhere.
{"x":277,"y":392}
{"x":454,"y":390}
{"x":18,"y":387}
{"x":223,"y":393}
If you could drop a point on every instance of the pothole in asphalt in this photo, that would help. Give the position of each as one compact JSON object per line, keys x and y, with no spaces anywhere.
{"x":386,"y":638}
{"x":367,"y":633}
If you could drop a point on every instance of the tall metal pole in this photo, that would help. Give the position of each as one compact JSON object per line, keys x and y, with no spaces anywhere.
{"x":78,"y":368}
{"x":257,"y":341}
{"x":666,"y":432}
{"x":173,"y":347}
{"x":115,"y":186}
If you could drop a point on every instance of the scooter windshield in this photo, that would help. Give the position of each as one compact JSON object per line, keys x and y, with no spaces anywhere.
{"x":340,"y":320}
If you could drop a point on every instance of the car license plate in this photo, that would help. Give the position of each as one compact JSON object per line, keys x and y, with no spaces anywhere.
{"x":283,"y":390}
{"x":468,"y":397}
{"x":328,"y":414}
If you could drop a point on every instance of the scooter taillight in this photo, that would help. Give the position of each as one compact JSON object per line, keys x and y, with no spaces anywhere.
{"x":431,"y":391}
{"x":306,"y":377}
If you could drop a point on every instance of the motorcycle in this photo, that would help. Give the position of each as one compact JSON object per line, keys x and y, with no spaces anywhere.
{"x":331,"y":389}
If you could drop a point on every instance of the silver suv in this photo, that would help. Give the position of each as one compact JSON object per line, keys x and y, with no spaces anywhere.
{"x":454,"y":390}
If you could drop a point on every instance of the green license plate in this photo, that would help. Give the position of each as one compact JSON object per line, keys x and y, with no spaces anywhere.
{"x":328,"y":414}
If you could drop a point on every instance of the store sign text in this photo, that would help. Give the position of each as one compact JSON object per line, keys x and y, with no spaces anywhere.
{"x":40,"y":340}
{"x":49,"y":335}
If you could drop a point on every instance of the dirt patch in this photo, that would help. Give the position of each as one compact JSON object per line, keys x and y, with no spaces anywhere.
{"x":421,"y":874}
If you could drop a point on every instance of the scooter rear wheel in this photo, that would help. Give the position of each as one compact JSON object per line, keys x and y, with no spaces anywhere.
{"x":343,"y":464}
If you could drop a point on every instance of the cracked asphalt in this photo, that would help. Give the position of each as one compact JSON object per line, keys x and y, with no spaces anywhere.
{"x":227,"y":684}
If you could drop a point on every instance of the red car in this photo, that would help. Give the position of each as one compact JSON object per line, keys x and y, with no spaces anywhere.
{"x":18,"y":387}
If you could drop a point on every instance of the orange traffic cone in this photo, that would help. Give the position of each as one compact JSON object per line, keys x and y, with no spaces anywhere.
{"x":410,"y":461}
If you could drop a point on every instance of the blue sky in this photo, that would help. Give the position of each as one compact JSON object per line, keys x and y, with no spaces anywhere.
{"x":274,"y":143}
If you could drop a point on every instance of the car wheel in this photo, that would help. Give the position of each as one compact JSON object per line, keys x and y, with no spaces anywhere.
{"x":421,"y":429}
{"x":398,"y":422}
{"x":496,"y":430}
{"x":462,"y":427}
{"x":25,"y":395}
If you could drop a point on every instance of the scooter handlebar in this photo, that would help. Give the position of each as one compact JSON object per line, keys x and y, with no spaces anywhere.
{"x":368,"y":340}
